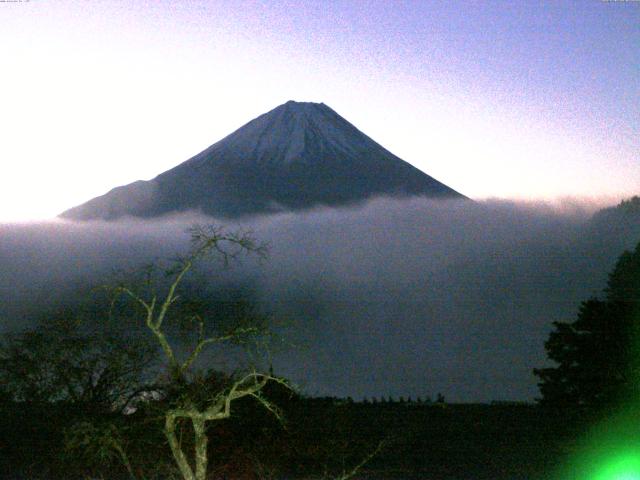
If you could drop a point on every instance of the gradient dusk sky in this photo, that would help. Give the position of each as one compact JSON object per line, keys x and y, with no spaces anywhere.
{"x":526,"y":99}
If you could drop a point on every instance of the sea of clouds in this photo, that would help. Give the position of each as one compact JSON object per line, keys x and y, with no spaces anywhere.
{"x":394,"y":297}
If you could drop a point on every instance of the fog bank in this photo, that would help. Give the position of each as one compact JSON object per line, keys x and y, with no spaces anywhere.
{"x":396,"y":297}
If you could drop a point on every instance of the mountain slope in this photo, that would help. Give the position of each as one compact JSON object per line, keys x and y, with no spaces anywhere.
{"x":296,"y":156}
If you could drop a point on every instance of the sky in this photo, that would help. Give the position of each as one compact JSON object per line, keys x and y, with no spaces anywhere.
{"x":520,"y":100}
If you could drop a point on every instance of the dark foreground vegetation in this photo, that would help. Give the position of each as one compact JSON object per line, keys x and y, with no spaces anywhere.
{"x":318,"y":438}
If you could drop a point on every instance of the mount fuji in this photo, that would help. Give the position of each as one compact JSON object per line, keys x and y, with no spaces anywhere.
{"x":297,"y":156}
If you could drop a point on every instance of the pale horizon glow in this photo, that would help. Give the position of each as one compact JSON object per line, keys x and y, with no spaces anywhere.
{"x":526,"y":101}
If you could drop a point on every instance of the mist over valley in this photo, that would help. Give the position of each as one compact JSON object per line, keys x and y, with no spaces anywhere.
{"x":395,"y":297}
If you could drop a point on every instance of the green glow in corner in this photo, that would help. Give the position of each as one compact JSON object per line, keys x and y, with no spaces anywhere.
{"x":623,"y":467}
{"x":609,"y":450}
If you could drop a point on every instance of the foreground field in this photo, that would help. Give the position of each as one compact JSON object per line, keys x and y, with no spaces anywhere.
{"x":318,"y":438}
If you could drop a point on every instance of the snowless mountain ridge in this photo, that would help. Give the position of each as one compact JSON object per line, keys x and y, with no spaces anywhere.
{"x":296,"y":156}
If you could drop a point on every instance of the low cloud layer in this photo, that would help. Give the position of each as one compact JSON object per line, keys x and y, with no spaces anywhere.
{"x":396,"y":297}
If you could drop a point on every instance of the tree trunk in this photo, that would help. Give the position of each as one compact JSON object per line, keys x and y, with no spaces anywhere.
{"x":178,"y":454}
{"x":200,"y":447}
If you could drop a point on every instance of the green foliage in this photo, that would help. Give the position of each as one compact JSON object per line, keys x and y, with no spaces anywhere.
{"x":598,"y":355}
{"x":98,"y":445}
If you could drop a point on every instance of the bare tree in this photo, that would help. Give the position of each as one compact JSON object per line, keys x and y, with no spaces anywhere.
{"x":206,"y":242}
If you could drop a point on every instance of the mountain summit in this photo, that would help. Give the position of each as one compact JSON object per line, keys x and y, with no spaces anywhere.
{"x":296,"y":156}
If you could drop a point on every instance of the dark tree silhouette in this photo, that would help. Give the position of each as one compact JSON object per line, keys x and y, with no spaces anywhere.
{"x":66,"y":360}
{"x":597,"y":355}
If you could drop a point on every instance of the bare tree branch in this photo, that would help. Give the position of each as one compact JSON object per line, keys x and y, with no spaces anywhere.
{"x":206,"y":240}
